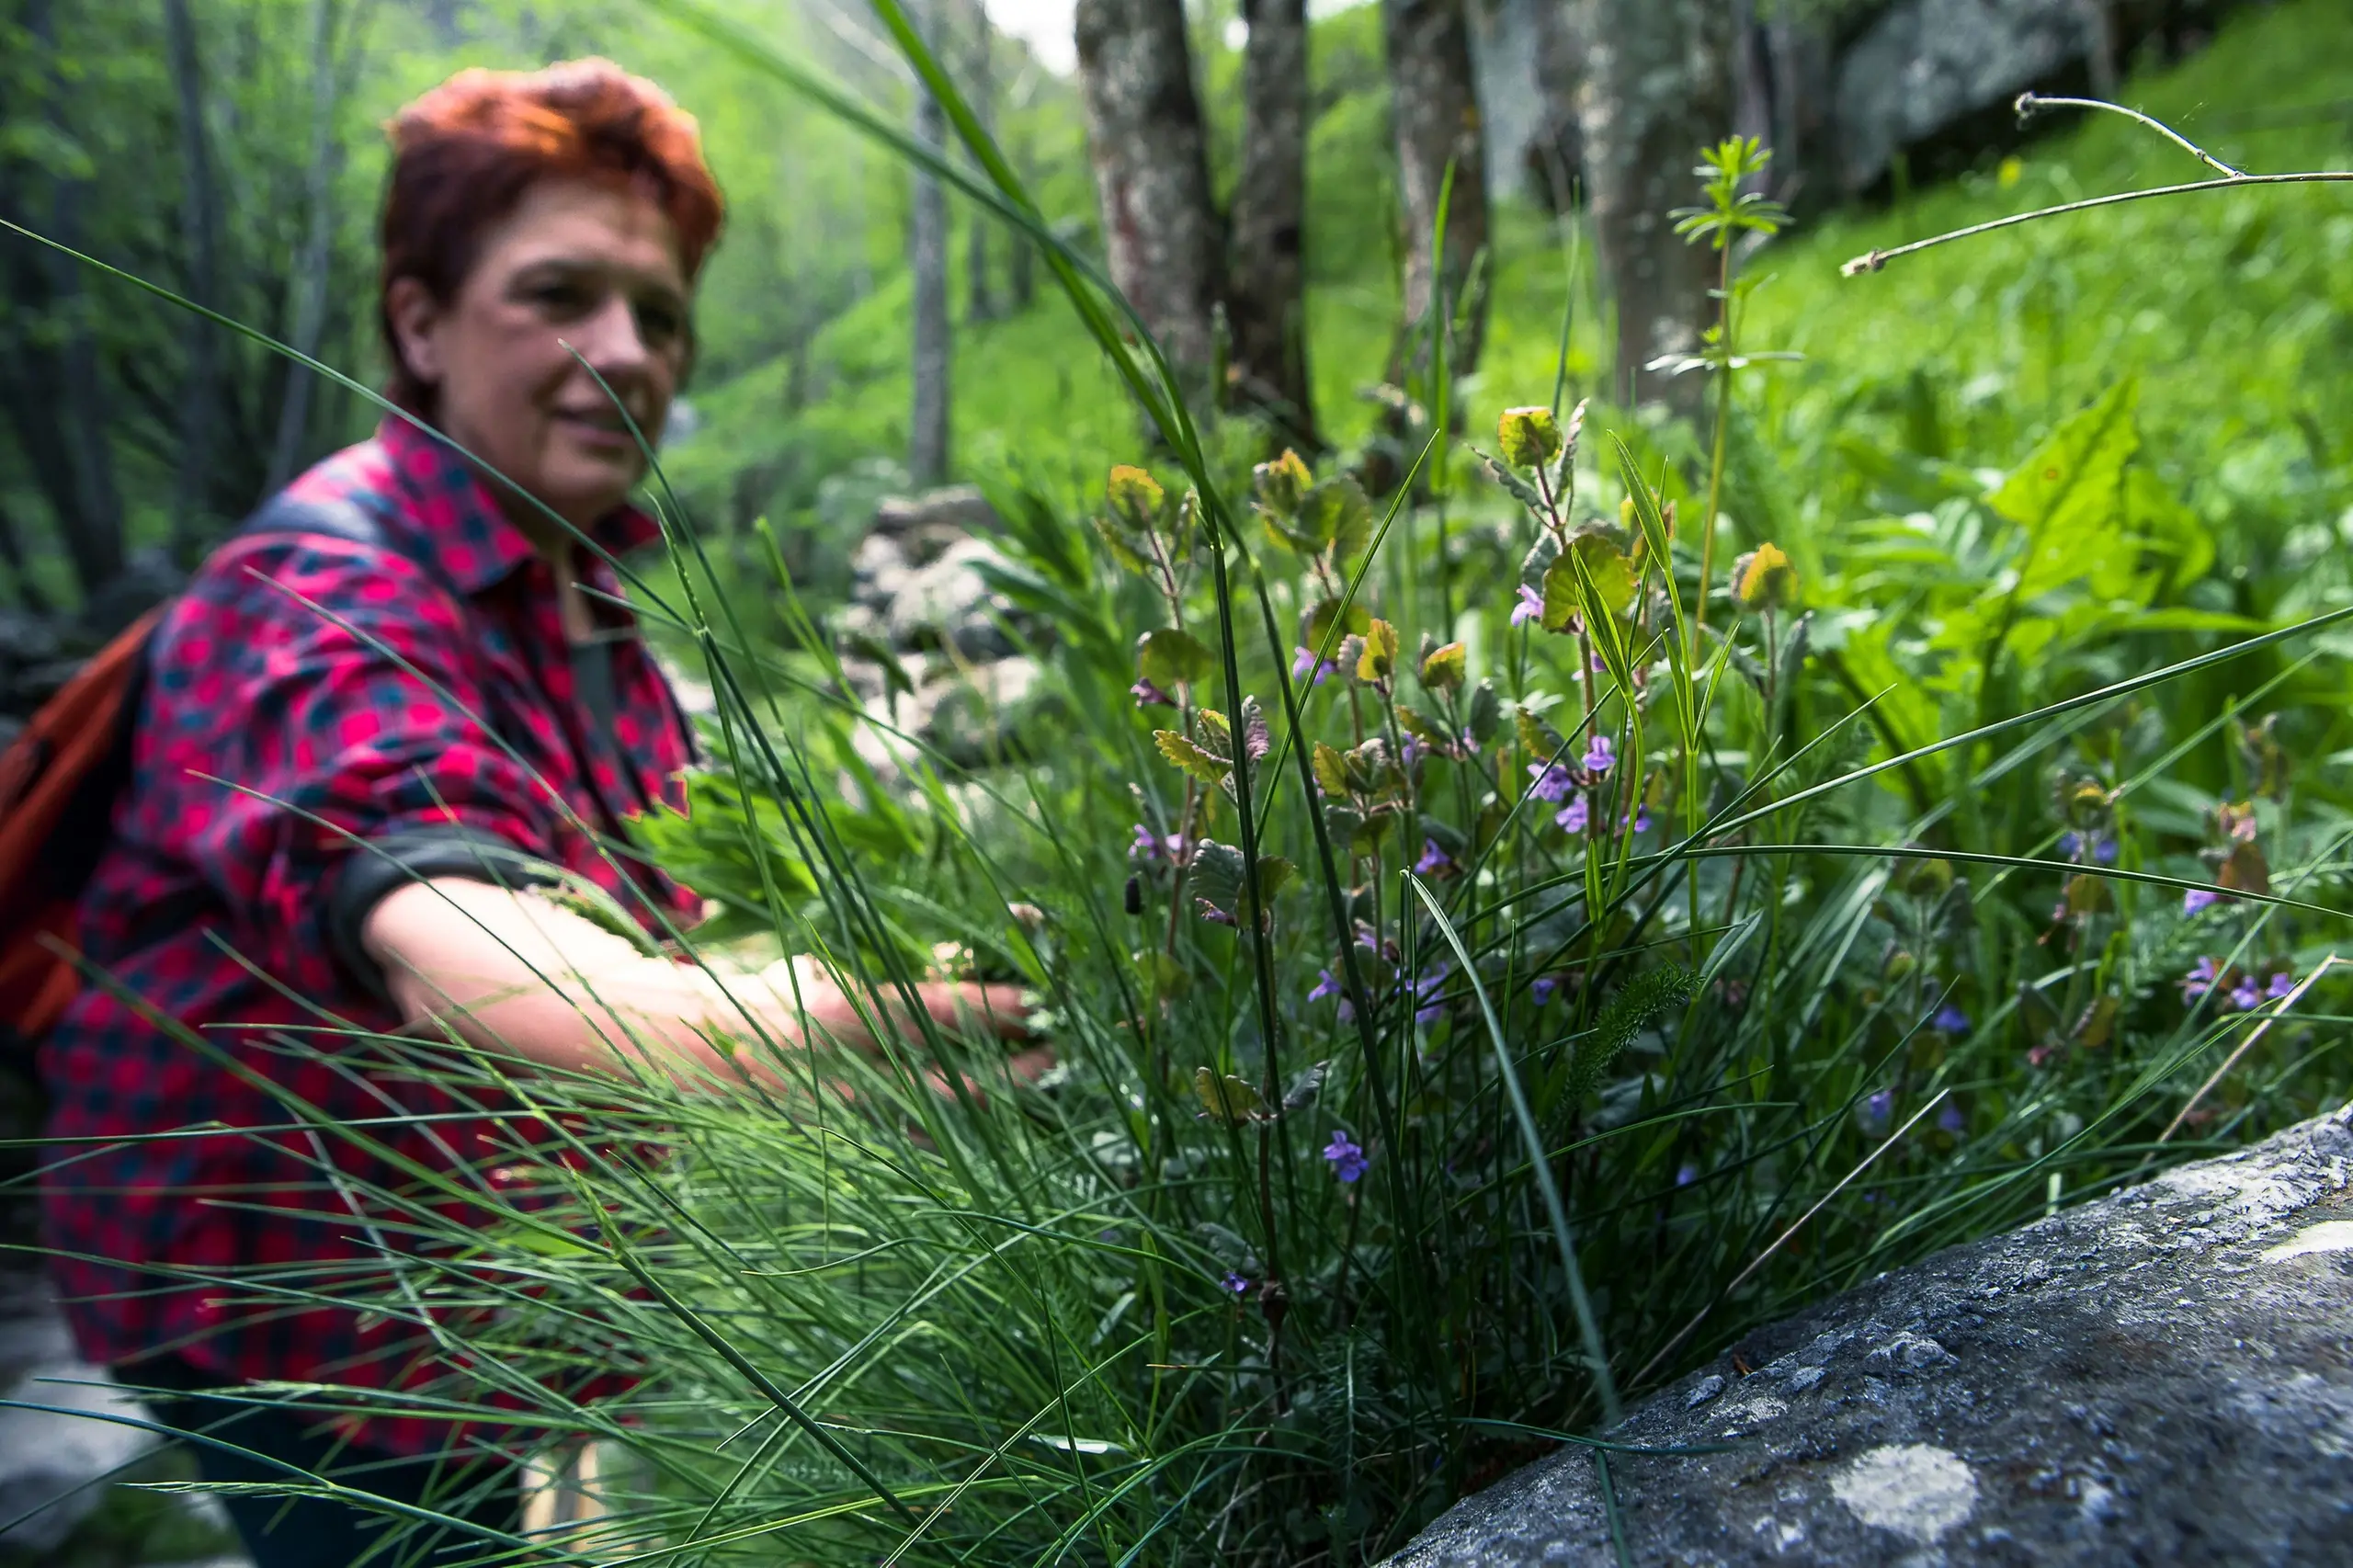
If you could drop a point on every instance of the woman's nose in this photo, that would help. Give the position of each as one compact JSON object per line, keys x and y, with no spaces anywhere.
{"x":609,"y":339}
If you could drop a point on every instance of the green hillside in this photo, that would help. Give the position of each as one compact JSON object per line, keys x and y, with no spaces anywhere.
{"x":2234,"y":310}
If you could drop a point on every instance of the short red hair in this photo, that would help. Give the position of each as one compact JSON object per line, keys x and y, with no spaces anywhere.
{"x":465,"y":152}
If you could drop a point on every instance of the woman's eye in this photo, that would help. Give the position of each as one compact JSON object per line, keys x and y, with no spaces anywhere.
{"x":568,"y":299}
{"x":658,"y":324}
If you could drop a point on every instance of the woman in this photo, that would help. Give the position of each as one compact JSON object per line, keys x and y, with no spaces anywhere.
{"x":349,"y":757}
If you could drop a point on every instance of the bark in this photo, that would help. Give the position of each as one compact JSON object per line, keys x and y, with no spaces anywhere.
{"x":311,"y":270}
{"x":1266,"y":304}
{"x":927,"y":260}
{"x":979,"y":301}
{"x":91,"y":521}
{"x":1144,"y":132}
{"x":1434,"y":107}
{"x":1560,"y":68}
{"x":200,"y":233}
{"x":20,"y":577}
{"x":1658,"y":86}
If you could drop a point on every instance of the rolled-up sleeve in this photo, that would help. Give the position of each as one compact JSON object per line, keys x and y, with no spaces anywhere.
{"x":332,"y":682}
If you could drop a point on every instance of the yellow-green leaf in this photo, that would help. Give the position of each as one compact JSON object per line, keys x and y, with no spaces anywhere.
{"x":1283,"y":484}
{"x":1763,"y":580}
{"x":1227,"y":1099}
{"x":1202,"y":765}
{"x":1331,"y":773}
{"x":1379,"y":660}
{"x":1136,"y":496}
{"x":1528,"y":436}
{"x":1445,"y":668}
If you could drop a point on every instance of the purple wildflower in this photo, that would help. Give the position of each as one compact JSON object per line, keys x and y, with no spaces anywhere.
{"x":1950,"y":1118}
{"x":1347,"y":1158}
{"x":1599,"y":754}
{"x":2243,"y":996}
{"x":1641,"y":818}
{"x":1412,"y":751}
{"x":1148,"y":695}
{"x":1429,"y":1007}
{"x":2199,"y":980}
{"x":1233,"y":1282}
{"x":2281,"y":984}
{"x":1304,"y":660}
{"x":2070,"y":844}
{"x":1325,"y":986}
{"x":1433,"y":860}
{"x":1686,"y":1175}
{"x":2104,"y":851}
{"x":1550,"y":783}
{"x":1575,"y":815}
{"x":1950,"y":1019}
{"x":1540,"y":989}
{"x":1149,"y":845}
{"x":2196,"y":899}
{"x":1876,"y":1108}
{"x":1531,"y":606}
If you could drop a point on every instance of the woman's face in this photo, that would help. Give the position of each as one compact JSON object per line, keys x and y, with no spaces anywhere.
{"x":575,"y":267}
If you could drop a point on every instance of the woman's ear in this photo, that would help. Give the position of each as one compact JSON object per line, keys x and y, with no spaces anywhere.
{"x":416,"y":317}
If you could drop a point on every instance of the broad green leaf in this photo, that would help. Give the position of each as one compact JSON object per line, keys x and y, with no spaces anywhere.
{"x":1330,"y":771}
{"x":1339,"y":515}
{"x":1486,"y":712}
{"x":1273,"y":872}
{"x":1220,"y":734}
{"x":1379,"y":660}
{"x":1227,"y":1099}
{"x":1353,"y":621}
{"x":1121,"y":551}
{"x":1168,"y":658}
{"x":1216,"y":873}
{"x":2069,"y":495}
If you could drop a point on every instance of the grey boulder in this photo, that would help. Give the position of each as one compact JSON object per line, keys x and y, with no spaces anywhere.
{"x":2163,"y":1376}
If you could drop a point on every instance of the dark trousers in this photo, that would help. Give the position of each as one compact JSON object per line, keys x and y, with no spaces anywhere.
{"x":315,"y":1533}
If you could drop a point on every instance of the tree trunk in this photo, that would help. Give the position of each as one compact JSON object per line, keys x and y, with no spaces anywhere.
{"x":200,"y":233}
{"x":311,"y":270}
{"x":1143,"y":133}
{"x":927,"y":260}
{"x":1560,"y":68}
{"x":980,"y":302}
{"x":1266,"y":304}
{"x":1435,"y":109}
{"x":1658,"y":86}
{"x":94,"y":536}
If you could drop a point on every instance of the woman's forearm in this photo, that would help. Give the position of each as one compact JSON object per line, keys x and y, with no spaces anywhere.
{"x":514,"y":973}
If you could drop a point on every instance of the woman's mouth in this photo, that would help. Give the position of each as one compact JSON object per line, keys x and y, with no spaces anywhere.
{"x":603,"y":430}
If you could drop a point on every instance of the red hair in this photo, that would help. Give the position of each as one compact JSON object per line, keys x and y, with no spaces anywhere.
{"x":464,"y":154}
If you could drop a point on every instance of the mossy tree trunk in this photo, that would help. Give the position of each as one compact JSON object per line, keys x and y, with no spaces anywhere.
{"x":1657,"y":87}
{"x":1267,"y":301}
{"x":1144,"y":139}
{"x":1434,"y":108}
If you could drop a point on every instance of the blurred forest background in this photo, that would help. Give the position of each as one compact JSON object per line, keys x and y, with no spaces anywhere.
{"x":230,"y":149}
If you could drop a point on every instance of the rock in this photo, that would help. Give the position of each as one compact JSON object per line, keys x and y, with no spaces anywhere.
{"x":48,"y":1453}
{"x":2165,"y":1375}
{"x":950,"y":604}
{"x":1926,"y":63}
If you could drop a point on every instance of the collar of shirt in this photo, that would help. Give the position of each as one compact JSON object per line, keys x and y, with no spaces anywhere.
{"x":461,"y":526}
